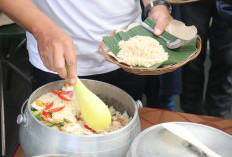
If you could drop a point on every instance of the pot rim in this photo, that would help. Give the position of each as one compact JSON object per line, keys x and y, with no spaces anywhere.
{"x":76,"y":135}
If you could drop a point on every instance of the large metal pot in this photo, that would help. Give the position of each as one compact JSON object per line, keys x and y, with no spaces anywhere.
{"x":38,"y":139}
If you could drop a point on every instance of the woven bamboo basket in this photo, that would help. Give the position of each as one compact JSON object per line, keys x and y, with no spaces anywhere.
{"x":147,"y":71}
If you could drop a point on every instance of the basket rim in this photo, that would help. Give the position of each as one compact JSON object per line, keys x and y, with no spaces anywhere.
{"x":147,"y":71}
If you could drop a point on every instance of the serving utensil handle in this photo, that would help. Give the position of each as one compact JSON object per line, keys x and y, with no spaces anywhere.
{"x":22,"y":119}
{"x":183,"y":133}
{"x":139,"y":104}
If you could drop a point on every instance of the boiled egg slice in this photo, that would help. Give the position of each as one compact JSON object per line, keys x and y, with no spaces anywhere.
{"x":67,"y":87}
{"x":37,"y":107}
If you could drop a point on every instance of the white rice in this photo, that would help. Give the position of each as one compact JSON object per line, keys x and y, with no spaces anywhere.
{"x":72,"y":113}
{"x":141,"y":51}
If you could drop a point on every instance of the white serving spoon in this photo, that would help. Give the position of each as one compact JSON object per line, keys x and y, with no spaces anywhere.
{"x":183,"y":133}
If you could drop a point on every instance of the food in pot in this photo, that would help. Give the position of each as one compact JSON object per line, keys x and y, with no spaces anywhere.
{"x":141,"y":51}
{"x":59,"y":110}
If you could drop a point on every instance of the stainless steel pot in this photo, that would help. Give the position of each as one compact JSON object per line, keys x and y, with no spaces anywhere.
{"x":38,"y":139}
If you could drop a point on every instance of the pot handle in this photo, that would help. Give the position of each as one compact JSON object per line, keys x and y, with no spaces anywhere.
{"x":22,"y":119}
{"x":139,"y":104}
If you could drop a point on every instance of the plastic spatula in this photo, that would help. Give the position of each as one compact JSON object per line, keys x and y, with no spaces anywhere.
{"x":94,"y":111}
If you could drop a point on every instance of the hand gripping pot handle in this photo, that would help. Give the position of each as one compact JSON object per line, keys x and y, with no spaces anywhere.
{"x":139,"y":104}
{"x":22,"y":119}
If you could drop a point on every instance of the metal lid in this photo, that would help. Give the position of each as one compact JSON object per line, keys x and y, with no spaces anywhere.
{"x":156,"y":141}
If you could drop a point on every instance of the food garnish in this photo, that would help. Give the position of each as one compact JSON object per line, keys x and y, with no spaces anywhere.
{"x":56,"y":109}
{"x":49,"y":106}
{"x":46,"y":114}
{"x":63,"y":98}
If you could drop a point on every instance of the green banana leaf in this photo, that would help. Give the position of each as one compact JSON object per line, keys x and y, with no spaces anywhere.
{"x":175,"y":56}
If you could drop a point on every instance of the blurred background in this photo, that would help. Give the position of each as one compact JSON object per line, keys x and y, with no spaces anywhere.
{"x":16,"y":89}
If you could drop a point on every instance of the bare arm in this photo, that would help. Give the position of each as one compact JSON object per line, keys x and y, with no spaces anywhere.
{"x":160,"y":14}
{"x":55,"y":46}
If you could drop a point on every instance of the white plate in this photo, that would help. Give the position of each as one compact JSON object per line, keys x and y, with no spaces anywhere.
{"x":156,"y":141}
